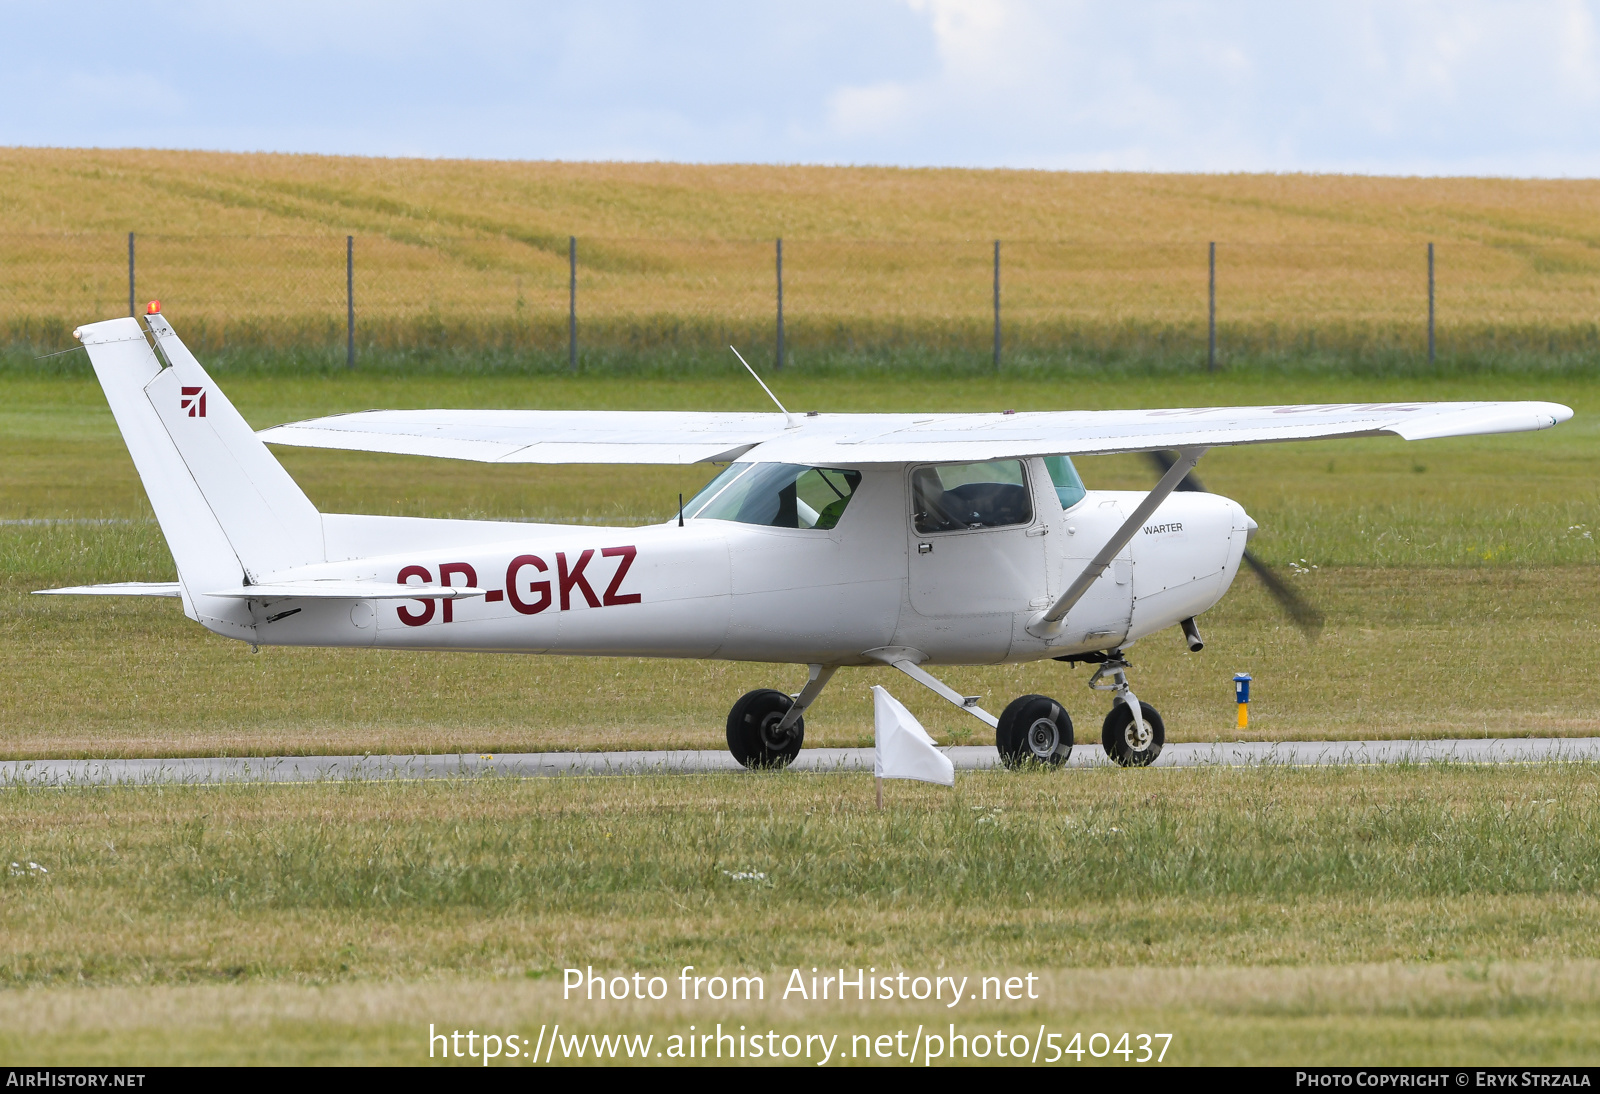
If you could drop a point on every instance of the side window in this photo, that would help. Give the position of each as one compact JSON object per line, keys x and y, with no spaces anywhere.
{"x":778,"y":495}
{"x":1069,"y":487}
{"x":822,"y":494}
{"x":958,"y":496}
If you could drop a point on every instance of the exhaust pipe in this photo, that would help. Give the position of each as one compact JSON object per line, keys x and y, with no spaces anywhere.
{"x":1191,"y":635}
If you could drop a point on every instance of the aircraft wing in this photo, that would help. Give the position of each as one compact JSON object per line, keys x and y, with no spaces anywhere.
{"x":539,"y":436}
{"x":673,"y":437}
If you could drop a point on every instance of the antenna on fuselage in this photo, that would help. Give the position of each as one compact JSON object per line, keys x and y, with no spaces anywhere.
{"x":787,"y":416}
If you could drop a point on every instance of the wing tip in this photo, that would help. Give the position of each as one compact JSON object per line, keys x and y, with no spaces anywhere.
{"x":1485,"y":419}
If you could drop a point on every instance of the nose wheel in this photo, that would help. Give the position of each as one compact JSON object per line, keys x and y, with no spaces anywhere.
{"x":1133,"y":744}
{"x":1130,"y":741}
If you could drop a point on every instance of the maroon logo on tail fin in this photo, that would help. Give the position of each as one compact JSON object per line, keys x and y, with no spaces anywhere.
{"x":194,"y":401}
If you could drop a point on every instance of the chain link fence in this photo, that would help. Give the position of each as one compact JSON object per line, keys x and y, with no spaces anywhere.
{"x":465,"y":294}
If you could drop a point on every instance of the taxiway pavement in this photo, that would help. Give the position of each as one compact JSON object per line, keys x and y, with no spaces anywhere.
{"x":290,"y":769}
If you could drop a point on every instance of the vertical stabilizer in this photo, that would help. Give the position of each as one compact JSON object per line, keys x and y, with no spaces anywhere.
{"x":229,"y":511}
{"x":267,"y":518}
{"x":124,"y":363}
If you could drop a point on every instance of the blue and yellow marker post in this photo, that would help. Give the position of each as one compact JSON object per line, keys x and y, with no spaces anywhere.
{"x":1241,"y":695}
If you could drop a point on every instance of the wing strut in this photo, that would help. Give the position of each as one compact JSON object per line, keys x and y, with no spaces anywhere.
{"x":1047,"y":624}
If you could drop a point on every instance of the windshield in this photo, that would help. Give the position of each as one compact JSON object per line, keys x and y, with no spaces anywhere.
{"x":1069,"y":487}
{"x":778,"y":495}
{"x":970,"y":495}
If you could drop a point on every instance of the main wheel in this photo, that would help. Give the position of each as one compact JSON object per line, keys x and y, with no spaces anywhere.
{"x":1124,"y":744}
{"x":1034,"y":729}
{"x":753,"y":735}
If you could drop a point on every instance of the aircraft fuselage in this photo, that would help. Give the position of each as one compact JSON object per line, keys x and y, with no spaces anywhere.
{"x":727,"y":590}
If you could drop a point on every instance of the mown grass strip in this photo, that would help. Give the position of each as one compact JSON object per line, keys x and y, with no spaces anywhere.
{"x":495,"y":876}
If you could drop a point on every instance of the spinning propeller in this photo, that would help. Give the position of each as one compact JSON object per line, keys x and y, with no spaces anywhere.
{"x":1300,"y":611}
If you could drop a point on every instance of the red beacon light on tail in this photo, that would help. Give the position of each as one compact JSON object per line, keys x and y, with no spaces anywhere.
{"x":153,"y":308}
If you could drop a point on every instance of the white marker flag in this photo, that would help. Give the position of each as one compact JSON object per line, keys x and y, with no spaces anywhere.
{"x":901,"y":748}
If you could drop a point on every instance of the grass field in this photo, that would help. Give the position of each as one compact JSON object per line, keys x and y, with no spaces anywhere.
{"x":1381,"y":915}
{"x":881,"y":265}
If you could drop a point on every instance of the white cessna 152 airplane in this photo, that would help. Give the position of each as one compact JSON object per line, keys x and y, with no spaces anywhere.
{"x":912,"y":540}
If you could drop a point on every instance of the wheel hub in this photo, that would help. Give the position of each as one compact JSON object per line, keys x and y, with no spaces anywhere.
{"x":1138,"y":734}
{"x":770,"y":736}
{"x":1043,"y":737}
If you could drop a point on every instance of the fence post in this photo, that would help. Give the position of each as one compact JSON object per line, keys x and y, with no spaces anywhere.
{"x":349,"y":301}
{"x":572,"y":303}
{"x":133,"y":307}
{"x":1430,"y":303}
{"x":1211,"y":313}
{"x":997,"y":305}
{"x":780,"y":302}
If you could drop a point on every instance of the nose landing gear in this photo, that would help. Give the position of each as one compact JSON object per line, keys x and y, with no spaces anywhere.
{"x":1132,"y":733}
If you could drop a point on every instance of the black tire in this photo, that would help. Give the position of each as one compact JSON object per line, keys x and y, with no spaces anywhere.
{"x":750,"y":730}
{"x":1114,"y":735}
{"x":1034,"y":729}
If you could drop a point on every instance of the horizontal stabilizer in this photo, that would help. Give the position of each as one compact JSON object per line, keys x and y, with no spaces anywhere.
{"x":345,"y":590}
{"x":118,"y":588}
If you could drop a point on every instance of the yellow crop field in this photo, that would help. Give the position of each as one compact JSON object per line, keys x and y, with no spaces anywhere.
{"x":253,"y":246}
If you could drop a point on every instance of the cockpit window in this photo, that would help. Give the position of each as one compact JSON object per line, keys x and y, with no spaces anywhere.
{"x":970,"y":495}
{"x":778,"y":495}
{"x":1069,"y":487}
{"x":711,"y":490}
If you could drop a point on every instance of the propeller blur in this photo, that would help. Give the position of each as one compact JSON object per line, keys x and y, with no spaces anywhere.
{"x":1300,"y":611}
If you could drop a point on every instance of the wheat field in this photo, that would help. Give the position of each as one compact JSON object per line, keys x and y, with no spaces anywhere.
{"x":251,"y":248}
